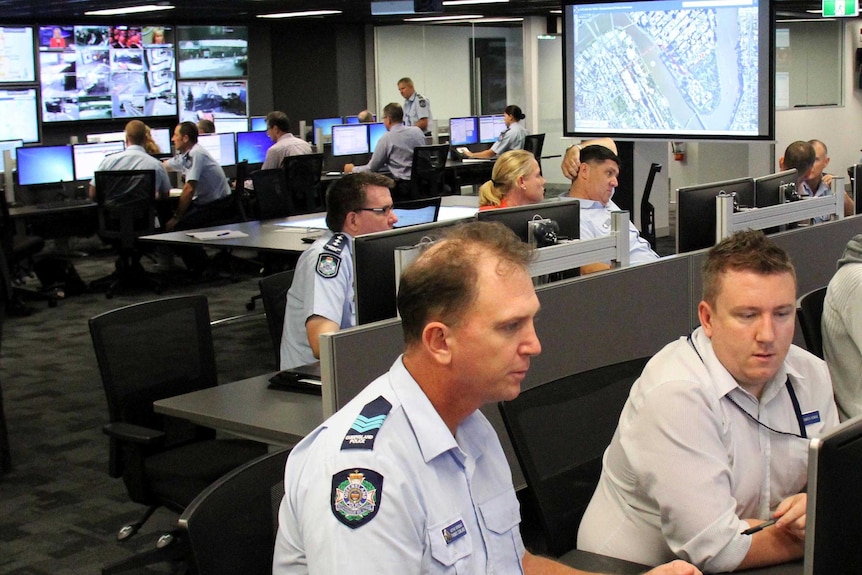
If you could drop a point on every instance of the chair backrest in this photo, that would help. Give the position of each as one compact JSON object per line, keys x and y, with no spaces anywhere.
{"x":149,"y":351}
{"x":273,"y":199}
{"x":809,"y":309}
{"x":302,"y":174}
{"x":647,"y":209}
{"x":534,"y":143}
{"x":127,"y":207}
{"x":273,"y":292}
{"x":239,"y":195}
{"x":229,"y":524}
{"x":428,"y":171}
{"x":560,"y":431}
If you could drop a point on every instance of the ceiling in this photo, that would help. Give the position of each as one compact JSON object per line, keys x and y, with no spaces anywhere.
{"x":221,"y":11}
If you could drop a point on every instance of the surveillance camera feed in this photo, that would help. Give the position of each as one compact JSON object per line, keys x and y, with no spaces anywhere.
{"x":104,"y":72}
{"x":213,"y":51}
{"x":213,"y":100}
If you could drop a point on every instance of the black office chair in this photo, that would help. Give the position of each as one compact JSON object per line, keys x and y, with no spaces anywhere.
{"x":127,"y":211}
{"x":809,"y":309}
{"x":272,"y":200}
{"x":19,"y":266}
{"x":145,"y":352}
{"x":427,"y":176}
{"x":534,"y":143}
{"x":273,"y":292}
{"x":302,"y":174}
{"x":229,"y":525}
{"x":560,"y":431}
{"x":647,"y":209}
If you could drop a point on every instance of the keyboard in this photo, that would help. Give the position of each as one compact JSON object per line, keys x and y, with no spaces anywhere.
{"x":69,"y":203}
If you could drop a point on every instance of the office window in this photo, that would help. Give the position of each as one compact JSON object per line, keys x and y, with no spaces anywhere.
{"x":809,"y":64}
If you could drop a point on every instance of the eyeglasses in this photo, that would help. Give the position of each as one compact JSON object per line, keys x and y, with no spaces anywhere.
{"x":385,"y":210}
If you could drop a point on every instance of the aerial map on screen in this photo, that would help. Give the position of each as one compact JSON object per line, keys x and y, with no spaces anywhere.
{"x":673,"y":67}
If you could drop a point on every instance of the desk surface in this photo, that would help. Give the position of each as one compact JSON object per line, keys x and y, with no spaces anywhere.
{"x":611,"y":566}
{"x":266,"y":235}
{"x":248,"y":408}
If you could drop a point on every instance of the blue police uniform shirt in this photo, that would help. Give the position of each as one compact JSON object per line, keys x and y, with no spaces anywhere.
{"x":322,"y":285}
{"x":512,"y":138}
{"x":383,"y":487}
{"x":394,"y":152}
{"x":197,"y":165}
{"x":822,"y":190}
{"x":136,"y":158}
{"x":416,"y":107}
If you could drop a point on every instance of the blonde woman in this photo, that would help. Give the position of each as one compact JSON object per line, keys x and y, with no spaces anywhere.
{"x":515,"y":181}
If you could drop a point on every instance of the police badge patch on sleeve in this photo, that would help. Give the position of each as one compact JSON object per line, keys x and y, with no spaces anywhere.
{"x":356,"y":495}
{"x":327,"y":265}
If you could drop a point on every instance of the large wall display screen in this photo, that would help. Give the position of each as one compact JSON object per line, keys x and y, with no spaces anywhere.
{"x":104,"y":72}
{"x":213,"y":51}
{"x":213,"y":99}
{"x":16,"y":54}
{"x":19,"y":116}
{"x":669,"y":69}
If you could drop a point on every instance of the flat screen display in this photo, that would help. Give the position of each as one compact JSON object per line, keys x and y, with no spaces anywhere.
{"x":349,"y":139}
{"x":41,"y":165}
{"x":213,"y":100}
{"x":375,"y":132}
{"x":490,"y":128}
{"x":19,"y":113}
{"x":257,"y":123}
{"x":87,"y":157}
{"x":16,"y":54}
{"x":212,"y":51}
{"x":668,"y":69}
{"x":162,"y":137}
{"x":252,"y":146}
{"x":226,"y":125}
{"x":8,"y":145}
{"x":325,"y":126}
{"x":107,"y":137}
{"x":222,"y":147}
{"x":105,"y":72}
{"x":463,"y":131}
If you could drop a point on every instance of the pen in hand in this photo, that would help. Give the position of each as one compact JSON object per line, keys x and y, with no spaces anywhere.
{"x":761,"y":527}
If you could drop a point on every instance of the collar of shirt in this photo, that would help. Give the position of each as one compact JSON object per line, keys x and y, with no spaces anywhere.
{"x":590,"y":204}
{"x":286,"y":136}
{"x":136,"y":148}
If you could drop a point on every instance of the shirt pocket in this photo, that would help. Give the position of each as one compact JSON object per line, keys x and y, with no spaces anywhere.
{"x":457,"y":549}
{"x":501,"y":516}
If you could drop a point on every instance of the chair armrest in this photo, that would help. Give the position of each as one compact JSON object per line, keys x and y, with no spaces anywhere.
{"x":133,"y":433}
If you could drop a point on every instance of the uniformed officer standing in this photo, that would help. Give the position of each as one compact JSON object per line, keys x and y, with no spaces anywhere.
{"x":417,"y":108}
{"x":321,"y":299}
{"x":410,"y":477}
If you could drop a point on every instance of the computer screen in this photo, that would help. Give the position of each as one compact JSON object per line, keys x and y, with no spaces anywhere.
{"x":834,"y":499}
{"x":349,"y":139}
{"x":162,"y":138}
{"x":770,"y":190}
{"x":566,"y":213}
{"x":107,"y":137}
{"x":355,"y":119}
{"x":230,"y":125}
{"x":212,"y":99}
{"x":8,"y":145}
{"x":490,"y":128}
{"x":16,"y":54}
{"x":252,"y":146}
{"x":87,"y":157}
{"x":416,"y":212}
{"x":695,"y":209}
{"x":673,"y":69}
{"x":222,"y":147}
{"x":257,"y":123}
{"x":44,"y":165}
{"x":375,"y":132}
{"x":18,"y":108}
{"x":213,"y":51}
{"x":463,"y":131}
{"x":325,"y":125}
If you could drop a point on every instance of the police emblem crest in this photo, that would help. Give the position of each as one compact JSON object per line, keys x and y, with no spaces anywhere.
{"x":356,"y":495}
{"x":327,"y":265}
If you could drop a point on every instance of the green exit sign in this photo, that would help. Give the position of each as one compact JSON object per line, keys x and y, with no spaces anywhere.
{"x":838,"y":8}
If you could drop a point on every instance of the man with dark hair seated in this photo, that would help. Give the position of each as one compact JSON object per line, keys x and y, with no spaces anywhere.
{"x":285,"y":143}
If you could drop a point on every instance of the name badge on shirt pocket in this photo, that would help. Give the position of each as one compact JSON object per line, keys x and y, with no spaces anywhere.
{"x":811,"y":418}
{"x":454,"y":532}
{"x":450,"y":541}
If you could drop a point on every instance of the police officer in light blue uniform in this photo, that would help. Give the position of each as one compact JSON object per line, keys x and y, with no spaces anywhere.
{"x":394,"y":150}
{"x":417,"y":108}
{"x":512,"y":138}
{"x":321,"y":297}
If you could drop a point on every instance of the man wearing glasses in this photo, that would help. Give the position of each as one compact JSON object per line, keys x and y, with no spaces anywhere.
{"x":321,"y":298}
{"x":713,"y":439}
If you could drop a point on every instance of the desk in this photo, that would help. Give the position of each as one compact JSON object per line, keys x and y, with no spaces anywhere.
{"x":266,"y":236}
{"x":77,"y":218}
{"x":248,"y":408}
{"x":601,"y":564}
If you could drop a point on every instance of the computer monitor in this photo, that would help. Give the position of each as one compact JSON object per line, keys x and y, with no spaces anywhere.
{"x":374,"y":267}
{"x":355,"y":119}
{"x":87,"y":157}
{"x":43,"y":165}
{"x":834,"y":500}
{"x":325,"y":126}
{"x":222,"y":147}
{"x":8,"y":145}
{"x":19,"y":110}
{"x":349,"y":139}
{"x":107,"y":137}
{"x":490,"y":128}
{"x":566,"y":213}
{"x":375,"y":132}
{"x":417,"y":212}
{"x":162,"y":138}
{"x":464,"y":131}
{"x":695,"y":211}
{"x":252,"y":146}
{"x":257,"y":123}
{"x":770,"y":190}
{"x":230,"y":125}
